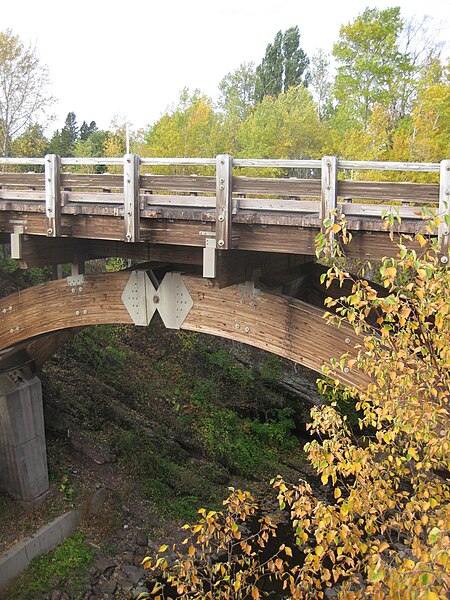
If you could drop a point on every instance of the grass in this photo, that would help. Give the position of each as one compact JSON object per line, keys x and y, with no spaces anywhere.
{"x":64,"y":566}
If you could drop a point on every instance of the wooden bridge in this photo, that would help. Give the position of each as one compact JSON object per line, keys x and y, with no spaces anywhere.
{"x":220,"y":251}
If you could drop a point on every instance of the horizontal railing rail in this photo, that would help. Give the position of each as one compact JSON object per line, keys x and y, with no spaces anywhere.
{"x":135,"y":192}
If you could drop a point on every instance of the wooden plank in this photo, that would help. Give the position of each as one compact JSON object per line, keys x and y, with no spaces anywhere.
{"x":374,"y":165}
{"x":388,"y":191}
{"x":376,"y":210}
{"x":201,"y":162}
{"x":22,"y":179}
{"x":52,"y":195}
{"x":179,"y":183}
{"x":276,"y":186}
{"x":93,"y":198}
{"x":23,"y":195}
{"x":88,"y":180}
{"x":278,"y":163}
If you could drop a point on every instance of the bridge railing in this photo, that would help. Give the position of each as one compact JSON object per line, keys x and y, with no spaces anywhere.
{"x":134,"y":192}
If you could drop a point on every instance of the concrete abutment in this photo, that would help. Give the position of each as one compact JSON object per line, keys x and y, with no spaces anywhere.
{"x":23,"y":455}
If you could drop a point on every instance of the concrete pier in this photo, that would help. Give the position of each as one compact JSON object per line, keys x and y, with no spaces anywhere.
{"x":23,"y":456}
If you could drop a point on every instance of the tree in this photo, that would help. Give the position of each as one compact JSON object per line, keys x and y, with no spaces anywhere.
{"x":31,"y":143}
{"x":63,"y":142}
{"x":283,"y":127}
{"x":283,"y":65}
{"x":188,"y":130}
{"x":86,"y":130}
{"x":380,"y":528}
{"x":320,"y":83}
{"x":23,"y":88}
{"x":370,"y":65}
{"x":237,"y":91}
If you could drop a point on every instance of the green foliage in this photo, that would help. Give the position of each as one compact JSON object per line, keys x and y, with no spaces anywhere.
{"x":222,"y":359}
{"x":66,"y":565}
{"x":283,"y":65}
{"x":244,"y":446}
{"x":271,"y":370}
{"x":99,"y":347}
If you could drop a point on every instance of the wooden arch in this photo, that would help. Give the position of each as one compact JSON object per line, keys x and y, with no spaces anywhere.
{"x":282,"y":325}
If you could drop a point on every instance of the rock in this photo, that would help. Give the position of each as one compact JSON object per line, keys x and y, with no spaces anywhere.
{"x":125,"y":585}
{"x":138,"y":558}
{"x":105,"y":566}
{"x":128,"y":557}
{"x":138,"y":591}
{"x":133,"y":573}
{"x":141,"y":539}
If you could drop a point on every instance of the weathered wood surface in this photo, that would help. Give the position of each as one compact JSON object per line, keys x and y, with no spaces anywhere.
{"x":284,"y":326}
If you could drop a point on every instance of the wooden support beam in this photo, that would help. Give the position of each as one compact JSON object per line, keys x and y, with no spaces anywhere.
{"x":224,"y":187}
{"x":53,"y":195}
{"x":329,"y":189}
{"x":283,"y":326}
{"x":131,"y":168}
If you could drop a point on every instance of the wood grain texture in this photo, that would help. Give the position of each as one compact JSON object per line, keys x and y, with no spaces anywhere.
{"x":284,"y":326}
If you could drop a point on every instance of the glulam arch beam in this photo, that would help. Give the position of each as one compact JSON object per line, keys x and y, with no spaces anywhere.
{"x":278,"y":324}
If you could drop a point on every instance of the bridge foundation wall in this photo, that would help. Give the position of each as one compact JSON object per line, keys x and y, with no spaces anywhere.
{"x":23,"y":455}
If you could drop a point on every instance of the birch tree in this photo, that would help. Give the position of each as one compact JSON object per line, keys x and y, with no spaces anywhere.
{"x":23,"y":88}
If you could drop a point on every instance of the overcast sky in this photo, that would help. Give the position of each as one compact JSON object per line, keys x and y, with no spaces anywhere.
{"x":131,"y":59}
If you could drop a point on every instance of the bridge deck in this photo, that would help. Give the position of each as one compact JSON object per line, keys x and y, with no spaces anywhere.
{"x":226,"y":210}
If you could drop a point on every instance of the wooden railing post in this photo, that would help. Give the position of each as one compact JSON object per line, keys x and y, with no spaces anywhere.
{"x":328,"y":203}
{"x":444,"y":210}
{"x":131,"y":187}
{"x":224,"y":189}
{"x":53,"y":195}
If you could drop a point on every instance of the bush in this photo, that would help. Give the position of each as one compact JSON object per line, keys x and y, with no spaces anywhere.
{"x":381,"y":527}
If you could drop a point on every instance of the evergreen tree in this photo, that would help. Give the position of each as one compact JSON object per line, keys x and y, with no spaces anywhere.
{"x":63,"y":142}
{"x":283,"y":66}
{"x":86,"y":130}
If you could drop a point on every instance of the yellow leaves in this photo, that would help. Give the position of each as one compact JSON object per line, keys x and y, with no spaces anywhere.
{"x":337,"y":493}
{"x":255,"y":593}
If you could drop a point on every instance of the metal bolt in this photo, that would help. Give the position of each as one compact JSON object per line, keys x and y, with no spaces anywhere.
{"x":84,"y":312}
{"x":156,"y":299}
{"x":347,"y":340}
{"x":444,"y":260}
{"x":49,"y":231}
{"x":222,"y":161}
{"x":49,"y":210}
{"x":222,"y":187}
{"x":73,"y":290}
{"x":241,"y":301}
{"x":80,"y":289}
{"x":237,"y":326}
{"x":129,"y":180}
{"x":77,"y":313}
{"x":128,"y":236}
{"x":221,"y":218}
{"x":346,"y":369}
{"x":246,"y":329}
{"x":222,"y":180}
{"x":221,"y":243}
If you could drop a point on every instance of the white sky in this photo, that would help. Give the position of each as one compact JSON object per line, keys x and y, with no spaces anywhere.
{"x":132,"y":58}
